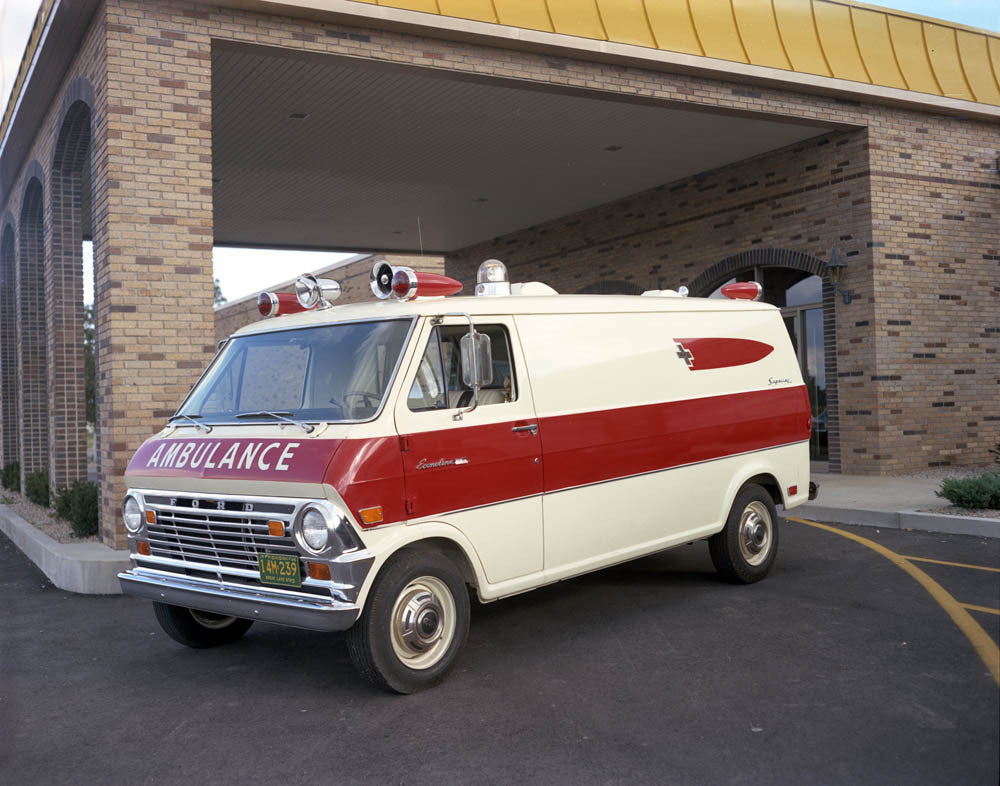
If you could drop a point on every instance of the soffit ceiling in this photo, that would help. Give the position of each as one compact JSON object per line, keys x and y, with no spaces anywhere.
{"x":381,"y":147}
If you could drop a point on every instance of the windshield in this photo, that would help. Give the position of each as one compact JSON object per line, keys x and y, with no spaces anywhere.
{"x":327,"y":373}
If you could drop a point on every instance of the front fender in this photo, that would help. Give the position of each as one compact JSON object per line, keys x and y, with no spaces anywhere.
{"x":383,"y":542}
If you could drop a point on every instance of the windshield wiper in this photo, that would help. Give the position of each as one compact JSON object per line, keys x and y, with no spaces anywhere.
{"x":282,"y":416}
{"x":191,"y":421}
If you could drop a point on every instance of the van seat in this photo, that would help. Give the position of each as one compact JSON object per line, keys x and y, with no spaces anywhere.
{"x":486,"y":396}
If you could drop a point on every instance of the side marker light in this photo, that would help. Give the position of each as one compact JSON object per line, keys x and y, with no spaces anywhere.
{"x":371,"y":516}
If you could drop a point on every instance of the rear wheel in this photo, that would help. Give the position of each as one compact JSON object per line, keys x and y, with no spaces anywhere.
{"x":745,"y":549}
{"x":199,"y":629}
{"x":414,"y":623}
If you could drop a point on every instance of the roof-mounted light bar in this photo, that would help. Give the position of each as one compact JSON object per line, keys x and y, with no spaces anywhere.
{"x":405,"y":283}
{"x":310,"y":293}
{"x":276,"y":304}
{"x":315,"y":292}
{"x":743,"y":290}
{"x":492,"y":279}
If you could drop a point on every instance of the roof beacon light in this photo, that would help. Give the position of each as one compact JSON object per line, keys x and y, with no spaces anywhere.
{"x":492,"y":278}
{"x":275,"y":304}
{"x":381,"y":279}
{"x":743,"y":290}
{"x":408,"y":283}
{"x":315,"y":292}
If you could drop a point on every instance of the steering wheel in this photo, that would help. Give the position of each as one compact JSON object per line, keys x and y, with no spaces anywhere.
{"x":369,"y":399}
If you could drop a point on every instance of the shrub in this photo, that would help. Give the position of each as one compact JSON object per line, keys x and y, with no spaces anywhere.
{"x":78,"y":505}
{"x":979,"y":491}
{"x":11,"y":478}
{"x":36,"y":487}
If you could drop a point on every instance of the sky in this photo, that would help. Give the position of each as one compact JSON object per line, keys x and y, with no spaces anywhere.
{"x":246,"y":271}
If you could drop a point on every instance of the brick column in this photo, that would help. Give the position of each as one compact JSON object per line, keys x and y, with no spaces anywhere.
{"x":153,"y":235}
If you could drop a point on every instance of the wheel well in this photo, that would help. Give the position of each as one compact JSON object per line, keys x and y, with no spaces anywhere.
{"x":449,"y":549}
{"x":770,"y":484}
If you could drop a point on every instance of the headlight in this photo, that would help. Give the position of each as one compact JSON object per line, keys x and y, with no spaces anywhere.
{"x":132,"y":514}
{"x":315,"y":530}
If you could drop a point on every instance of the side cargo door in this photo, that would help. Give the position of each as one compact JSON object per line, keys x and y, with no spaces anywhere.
{"x":482,"y":472}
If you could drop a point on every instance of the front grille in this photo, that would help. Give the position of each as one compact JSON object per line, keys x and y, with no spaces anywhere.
{"x":220,"y":532}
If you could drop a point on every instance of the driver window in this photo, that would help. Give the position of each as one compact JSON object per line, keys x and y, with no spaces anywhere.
{"x":428,"y":391}
{"x":438,"y":383}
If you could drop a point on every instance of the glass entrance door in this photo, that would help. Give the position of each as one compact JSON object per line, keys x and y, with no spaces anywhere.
{"x":805,"y":328}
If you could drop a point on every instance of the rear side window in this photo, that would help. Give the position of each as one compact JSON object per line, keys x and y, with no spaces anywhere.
{"x":438,"y":384}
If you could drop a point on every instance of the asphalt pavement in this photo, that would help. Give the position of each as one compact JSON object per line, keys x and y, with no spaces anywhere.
{"x":838,"y":668}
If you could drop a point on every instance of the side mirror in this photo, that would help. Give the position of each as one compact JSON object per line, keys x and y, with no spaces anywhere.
{"x":477,"y":359}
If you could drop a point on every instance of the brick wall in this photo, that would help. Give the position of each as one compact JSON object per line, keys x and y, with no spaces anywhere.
{"x":352,"y":277}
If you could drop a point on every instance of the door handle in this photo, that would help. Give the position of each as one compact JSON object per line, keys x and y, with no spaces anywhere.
{"x":533,"y":428}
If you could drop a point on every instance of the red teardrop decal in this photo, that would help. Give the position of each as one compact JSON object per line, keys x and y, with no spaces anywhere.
{"x":701,"y":354}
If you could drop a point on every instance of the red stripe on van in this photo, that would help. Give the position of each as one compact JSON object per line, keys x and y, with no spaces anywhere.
{"x":594,"y":446}
{"x":708,"y":353}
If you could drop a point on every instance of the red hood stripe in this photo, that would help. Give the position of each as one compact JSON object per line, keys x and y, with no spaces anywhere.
{"x":292,"y":460}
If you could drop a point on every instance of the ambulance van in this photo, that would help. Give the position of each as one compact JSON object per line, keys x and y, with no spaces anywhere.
{"x":368,"y":467}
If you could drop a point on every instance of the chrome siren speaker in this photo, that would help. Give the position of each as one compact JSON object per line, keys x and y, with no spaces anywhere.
{"x":381,"y":279}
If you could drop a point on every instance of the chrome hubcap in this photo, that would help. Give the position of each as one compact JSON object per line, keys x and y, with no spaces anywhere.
{"x":209,"y":620}
{"x":755,"y":533}
{"x":423,"y":622}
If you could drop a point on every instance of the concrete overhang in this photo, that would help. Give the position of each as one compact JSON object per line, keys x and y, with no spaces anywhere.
{"x":318,"y":151}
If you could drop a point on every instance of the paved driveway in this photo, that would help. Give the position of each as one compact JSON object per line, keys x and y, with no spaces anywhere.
{"x":839,"y":668}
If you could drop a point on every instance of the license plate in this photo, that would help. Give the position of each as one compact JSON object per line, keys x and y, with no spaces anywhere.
{"x":280,"y":569}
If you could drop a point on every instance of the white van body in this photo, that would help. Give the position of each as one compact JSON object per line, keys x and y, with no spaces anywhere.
{"x":623,"y":425}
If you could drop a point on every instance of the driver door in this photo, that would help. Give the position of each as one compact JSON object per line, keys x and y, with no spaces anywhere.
{"x":481,"y":472}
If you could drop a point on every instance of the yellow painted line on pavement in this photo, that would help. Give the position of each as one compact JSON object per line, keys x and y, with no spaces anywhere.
{"x":979,"y":638}
{"x":953,"y":564}
{"x":984,"y":609}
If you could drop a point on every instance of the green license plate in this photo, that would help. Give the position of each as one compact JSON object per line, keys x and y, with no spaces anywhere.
{"x":280,"y":569}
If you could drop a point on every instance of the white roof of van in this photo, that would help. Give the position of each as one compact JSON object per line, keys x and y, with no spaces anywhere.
{"x":501,"y":305}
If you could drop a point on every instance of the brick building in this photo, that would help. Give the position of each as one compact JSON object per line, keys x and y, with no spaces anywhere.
{"x":600,"y":147}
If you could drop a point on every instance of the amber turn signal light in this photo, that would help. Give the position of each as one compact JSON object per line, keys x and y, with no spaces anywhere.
{"x":319,"y":570}
{"x":371,"y":515}
{"x":142,"y":547}
{"x":150,"y":516}
{"x":276,"y":528}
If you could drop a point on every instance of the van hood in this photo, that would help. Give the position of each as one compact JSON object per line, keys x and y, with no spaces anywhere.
{"x":251,"y":455}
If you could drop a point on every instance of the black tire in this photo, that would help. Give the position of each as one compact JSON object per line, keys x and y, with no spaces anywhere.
{"x":199,"y":629}
{"x":414,"y":624}
{"x":751,"y":560}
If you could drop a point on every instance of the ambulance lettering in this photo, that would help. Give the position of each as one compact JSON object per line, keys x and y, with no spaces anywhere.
{"x":249,"y":456}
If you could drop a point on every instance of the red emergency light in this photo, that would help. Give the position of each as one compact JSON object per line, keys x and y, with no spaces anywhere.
{"x":404,"y":283}
{"x":743,"y":290}
{"x":274,"y":304}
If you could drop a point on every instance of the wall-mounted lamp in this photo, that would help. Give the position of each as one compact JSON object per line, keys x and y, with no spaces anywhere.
{"x":837,"y":270}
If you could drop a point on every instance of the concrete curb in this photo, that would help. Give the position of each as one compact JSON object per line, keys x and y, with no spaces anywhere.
{"x":87,"y":568}
{"x":902,"y":519}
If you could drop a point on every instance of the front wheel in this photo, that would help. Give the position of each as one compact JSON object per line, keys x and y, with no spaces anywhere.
{"x":414,"y":623}
{"x":199,"y":629}
{"x":745,"y":549}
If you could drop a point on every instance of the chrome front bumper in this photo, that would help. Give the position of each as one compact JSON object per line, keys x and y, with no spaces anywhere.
{"x":253,"y":603}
